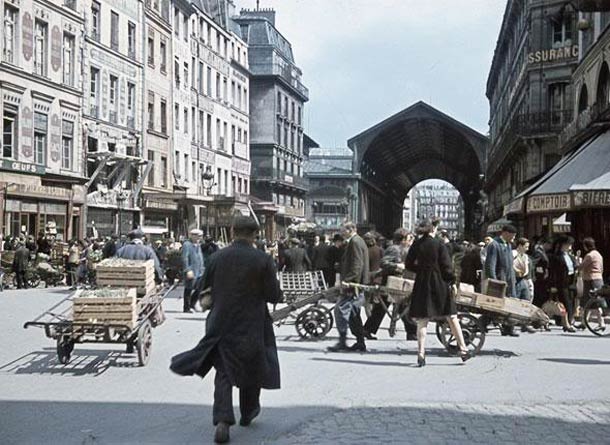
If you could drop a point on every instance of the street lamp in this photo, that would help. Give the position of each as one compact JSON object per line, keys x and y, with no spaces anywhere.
{"x":208,"y":183}
{"x":121,"y":197}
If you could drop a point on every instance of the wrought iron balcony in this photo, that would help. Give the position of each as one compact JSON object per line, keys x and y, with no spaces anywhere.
{"x":273,"y":174}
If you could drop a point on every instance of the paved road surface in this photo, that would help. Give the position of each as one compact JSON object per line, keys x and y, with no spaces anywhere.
{"x":546,"y":387}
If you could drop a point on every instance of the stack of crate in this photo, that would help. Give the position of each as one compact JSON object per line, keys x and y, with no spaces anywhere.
{"x":106,"y":306}
{"x":119,"y":272}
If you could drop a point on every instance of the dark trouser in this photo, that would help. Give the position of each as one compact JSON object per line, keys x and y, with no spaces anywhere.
{"x":378,"y":312}
{"x":223,"y":400}
{"x":540,"y":292}
{"x":20,"y":276}
{"x":347,"y":313}
{"x":188,"y":294}
{"x":330,"y":276}
{"x":71,"y":274}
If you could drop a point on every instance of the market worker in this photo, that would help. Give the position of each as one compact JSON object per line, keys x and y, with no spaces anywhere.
{"x":192,"y":259}
{"x":135,"y":249}
{"x":239,"y":341}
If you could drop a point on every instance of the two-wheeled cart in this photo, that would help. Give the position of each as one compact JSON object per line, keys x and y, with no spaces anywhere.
{"x":304,"y":296}
{"x":104,"y":316}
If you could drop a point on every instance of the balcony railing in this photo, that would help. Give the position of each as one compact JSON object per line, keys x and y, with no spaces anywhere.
{"x":286,"y":72}
{"x":268,"y":173}
{"x":546,"y":123}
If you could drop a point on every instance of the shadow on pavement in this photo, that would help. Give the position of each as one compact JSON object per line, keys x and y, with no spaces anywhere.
{"x":165,"y":423}
{"x":82,"y":362}
{"x":576,"y":361}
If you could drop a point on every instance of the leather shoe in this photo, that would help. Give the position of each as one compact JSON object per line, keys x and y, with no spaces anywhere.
{"x":358,"y":347}
{"x":222,"y":433}
{"x":528,"y":329}
{"x":411,"y":337}
{"x":246,"y":421}
{"x":369,"y":336}
{"x":340,"y":346}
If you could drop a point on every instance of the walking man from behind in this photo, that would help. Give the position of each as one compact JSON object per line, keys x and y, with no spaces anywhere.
{"x":354,"y":269}
{"x":192,"y":259}
{"x":239,"y":342}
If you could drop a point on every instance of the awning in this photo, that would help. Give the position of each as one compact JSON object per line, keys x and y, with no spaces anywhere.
{"x":588,"y":164}
{"x":561,"y":224}
{"x":497,"y":225}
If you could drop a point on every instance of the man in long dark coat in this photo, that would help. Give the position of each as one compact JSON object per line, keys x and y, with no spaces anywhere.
{"x":239,"y":341}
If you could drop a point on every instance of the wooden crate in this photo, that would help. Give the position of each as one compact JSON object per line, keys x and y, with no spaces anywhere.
{"x":518,"y":307}
{"x":118,"y":272}
{"x":495,"y":288}
{"x":106,"y":306}
{"x":400,"y":284}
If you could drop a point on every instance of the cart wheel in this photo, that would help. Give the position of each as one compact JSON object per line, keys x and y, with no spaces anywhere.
{"x":64,"y":350}
{"x":144,"y":343}
{"x":33,"y":280}
{"x":313,"y":323}
{"x":474,"y":336}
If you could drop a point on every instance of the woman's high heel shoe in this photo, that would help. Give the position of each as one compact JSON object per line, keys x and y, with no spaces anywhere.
{"x":421,"y":361}
{"x":465,"y":356}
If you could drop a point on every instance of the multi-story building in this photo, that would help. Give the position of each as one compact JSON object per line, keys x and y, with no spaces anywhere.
{"x":216,"y":160}
{"x":440,"y":201}
{"x":530,"y":95}
{"x":112,"y":112}
{"x":277,"y":98}
{"x":161,"y":78}
{"x":332,"y":182}
{"x":42,"y":167}
{"x":408,"y":212}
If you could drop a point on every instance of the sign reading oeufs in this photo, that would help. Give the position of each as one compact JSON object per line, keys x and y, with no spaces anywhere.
{"x":549,"y":203}
{"x":553,"y":55}
{"x":25,"y":167}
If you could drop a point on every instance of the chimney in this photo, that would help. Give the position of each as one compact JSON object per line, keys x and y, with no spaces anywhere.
{"x":263,"y":13}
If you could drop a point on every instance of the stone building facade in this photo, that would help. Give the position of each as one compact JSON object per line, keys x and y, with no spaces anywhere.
{"x":440,"y":201}
{"x":530,"y":95}
{"x":277,"y":98}
{"x":42,"y":166}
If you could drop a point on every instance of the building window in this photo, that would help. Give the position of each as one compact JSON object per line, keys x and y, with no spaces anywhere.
{"x":151,"y":173}
{"x":186,"y":120}
{"x":163,"y":117}
{"x":163,"y":51}
{"x":186,"y":167}
{"x":67,"y":138}
{"x":176,"y":116}
{"x":131,"y":104}
{"x":95,"y":20}
{"x":68,"y":62}
{"x":200,"y":86}
{"x":562,"y":31}
{"x":114,"y":30}
{"x":238,"y":96}
{"x":40,"y":48}
{"x":163,"y":171}
{"x":177,"y":73}
{"x":209,"y":83}
{"x":194,"y":124}
{"x":279,"y":103}
{"x":279,"y":133}
{"x":583,"y":99}
{"x":9,"y":133}
{"x":209,"y":130}
{"x":40,"y":138}
{"x":218,"y":135}
{"x":300,"y":116}
{"x":185,"y":28}
{"x":10,"y":34}
{"x":131,"y":40}
{"x":200,"y":132}
{"x":186,"y":75}
{"x":151,"y":50}
{"x":93,"y":90}
{"x":151,"y":110}
{"x":225,"y":93}
{"x":70,"y":4}
{"x":114,"y":98}
{"x":218,"y":86}
{"x":177,"y":22}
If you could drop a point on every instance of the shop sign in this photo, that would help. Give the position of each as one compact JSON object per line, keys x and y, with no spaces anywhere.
{"x":515,"y":206}
{"x":547,"y":203}
{"x":24,"y":167}
{"x":161,"y":204}
{"x":553,"y":55}
{"x":40,"y":191}
{"x":598,"y":198}
{"x":289,"y":179}
{"x":109,"y":199}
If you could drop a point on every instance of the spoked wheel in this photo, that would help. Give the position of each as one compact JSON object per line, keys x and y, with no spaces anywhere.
{"x":65,"y":346}
{"x":144,"y":343}
{"x":596,"y":316}
{"x":314,"y":323}
{"x":474,"y":336}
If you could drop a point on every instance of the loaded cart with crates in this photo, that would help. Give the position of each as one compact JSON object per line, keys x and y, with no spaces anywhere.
{"x":124,"y":309}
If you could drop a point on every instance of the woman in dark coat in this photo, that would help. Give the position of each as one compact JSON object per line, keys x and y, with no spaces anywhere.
{"x":239,"y":341}
{"x":431,"y":297}
{"x":562,"y":276}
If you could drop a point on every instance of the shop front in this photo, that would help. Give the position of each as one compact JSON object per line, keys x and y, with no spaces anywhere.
{"x":161,"y":216}
{"x":29,"y":208}
{"x":111,"y":212}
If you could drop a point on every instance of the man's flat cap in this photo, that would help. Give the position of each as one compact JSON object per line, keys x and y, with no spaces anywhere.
{"x":245,"y":223}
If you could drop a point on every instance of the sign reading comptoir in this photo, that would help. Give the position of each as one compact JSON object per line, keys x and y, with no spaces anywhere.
{"x":549,"y":203}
